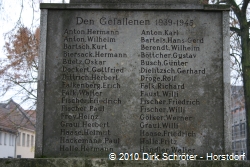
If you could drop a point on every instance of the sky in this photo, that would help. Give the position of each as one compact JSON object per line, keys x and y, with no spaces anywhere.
{"x":10,"y":14}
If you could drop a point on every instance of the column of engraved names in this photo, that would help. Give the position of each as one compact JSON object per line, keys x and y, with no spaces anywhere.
{"x":165,"y":56}
{"x":85,"y":78}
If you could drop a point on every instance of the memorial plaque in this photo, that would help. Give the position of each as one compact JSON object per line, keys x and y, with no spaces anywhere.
{"x":133,"y":81}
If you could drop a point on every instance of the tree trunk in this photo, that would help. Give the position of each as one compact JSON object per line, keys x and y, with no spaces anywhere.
{"x":246,"y":76}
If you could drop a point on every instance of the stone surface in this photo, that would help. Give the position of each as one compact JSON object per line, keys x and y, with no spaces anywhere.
{"x":139,"y":1}
{"x":133,"y":82}
{"x":80,"y":162}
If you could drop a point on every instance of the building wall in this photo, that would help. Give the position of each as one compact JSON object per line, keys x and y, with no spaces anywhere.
{"x":239,"y":131}
{"x":238,"y":112}
{"x":7,"y":144}
{"x":25,"y":143}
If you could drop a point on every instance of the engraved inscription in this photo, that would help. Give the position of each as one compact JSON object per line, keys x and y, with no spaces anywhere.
{"x":134,"y":81}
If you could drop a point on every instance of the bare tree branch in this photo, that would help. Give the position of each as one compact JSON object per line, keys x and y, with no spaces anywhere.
{"x":235,"y":8}
{"x":244,"y":6}
{"x":237,"y":30}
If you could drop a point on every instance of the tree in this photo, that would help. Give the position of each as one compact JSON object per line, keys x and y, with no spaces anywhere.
{"x":16,"y":77}
{"x":239,"y":27}
{"x":19,"y":70}
{"x":242,"y":31}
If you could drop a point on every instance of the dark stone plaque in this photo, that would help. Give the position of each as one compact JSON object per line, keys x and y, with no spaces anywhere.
{"x":133,"y":82}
